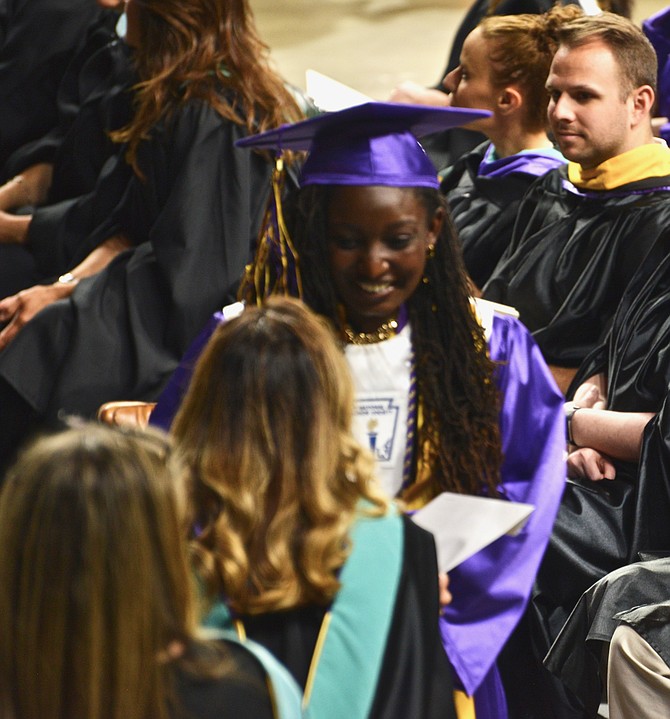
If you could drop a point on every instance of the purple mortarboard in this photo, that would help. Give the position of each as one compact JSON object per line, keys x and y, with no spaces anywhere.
{"x":370,"y":144}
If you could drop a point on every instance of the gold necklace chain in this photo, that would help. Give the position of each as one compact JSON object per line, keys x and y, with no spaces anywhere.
{"x":383,"y":332}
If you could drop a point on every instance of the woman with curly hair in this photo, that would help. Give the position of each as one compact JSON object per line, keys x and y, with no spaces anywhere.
{"x":145,"y":279}
{"x":295,"y":543}
{"x":97,"y":601}
{"x":443,"y":396}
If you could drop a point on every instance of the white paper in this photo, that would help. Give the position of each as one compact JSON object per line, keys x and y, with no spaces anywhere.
{"x":462,"y":524}
{"x":330,"y":95}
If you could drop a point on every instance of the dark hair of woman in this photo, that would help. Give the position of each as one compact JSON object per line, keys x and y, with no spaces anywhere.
{"x":208,"y":50}
{"x":459,"y":437}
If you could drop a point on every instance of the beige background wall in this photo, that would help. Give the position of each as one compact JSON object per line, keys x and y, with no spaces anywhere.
{"x":371,"y":45}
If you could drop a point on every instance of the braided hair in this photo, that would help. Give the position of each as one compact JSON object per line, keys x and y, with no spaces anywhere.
{"x":459,"y":437}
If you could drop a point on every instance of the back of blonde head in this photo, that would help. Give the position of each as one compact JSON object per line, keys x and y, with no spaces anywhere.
{"x":266,"y":429}
{"x":94,"y":580}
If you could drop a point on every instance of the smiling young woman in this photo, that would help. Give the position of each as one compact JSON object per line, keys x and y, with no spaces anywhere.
{"x":378,"y":244}
{"x":441,"y":399}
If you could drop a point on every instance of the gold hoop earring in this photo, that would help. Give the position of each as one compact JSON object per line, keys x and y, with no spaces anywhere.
{"x":430,"y":251}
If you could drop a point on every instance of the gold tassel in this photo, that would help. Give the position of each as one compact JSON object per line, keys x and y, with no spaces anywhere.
{"x":275,"y":268}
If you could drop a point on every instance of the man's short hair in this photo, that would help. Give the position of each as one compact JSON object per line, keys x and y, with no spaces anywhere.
{"x":633,"y":53}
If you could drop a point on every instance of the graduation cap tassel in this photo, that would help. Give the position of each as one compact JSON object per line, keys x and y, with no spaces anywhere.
{"x":275,"y":269}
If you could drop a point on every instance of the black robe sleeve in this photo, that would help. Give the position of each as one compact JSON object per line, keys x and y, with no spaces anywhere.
{"x":576,"y":655}
{"x":123,"y":331}
{"x":604,"y":525}
{"x":74,"y":86}
{"x":84,"y":190}
{"x":483,"y":210}
{"x":571,"y":258}
{"x":40,"y":39}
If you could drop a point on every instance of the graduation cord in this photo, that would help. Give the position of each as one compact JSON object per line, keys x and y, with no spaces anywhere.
{"x":412,"y":416}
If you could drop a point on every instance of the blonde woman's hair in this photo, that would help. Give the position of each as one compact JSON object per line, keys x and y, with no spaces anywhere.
{"x":94,"y":578}
{"x":266,"y":429}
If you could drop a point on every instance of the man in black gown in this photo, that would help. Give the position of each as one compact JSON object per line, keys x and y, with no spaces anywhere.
{"x":582,"y":232}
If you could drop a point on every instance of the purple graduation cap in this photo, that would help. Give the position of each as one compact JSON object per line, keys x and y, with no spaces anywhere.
{"x":370,"y":144}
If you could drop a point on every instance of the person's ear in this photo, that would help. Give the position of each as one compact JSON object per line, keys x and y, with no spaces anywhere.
{"x":642,"y":101}
{"x":435,"y":226}
{"x":509,"y":100}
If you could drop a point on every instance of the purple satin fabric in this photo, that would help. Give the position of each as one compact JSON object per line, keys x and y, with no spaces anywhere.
{"x":170,"y":399}
{"x":657,"y":30}
{"x":491,"y":589}
{"x":536,"y":163}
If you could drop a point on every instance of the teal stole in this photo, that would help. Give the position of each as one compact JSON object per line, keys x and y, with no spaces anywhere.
{"x":350,"y":649}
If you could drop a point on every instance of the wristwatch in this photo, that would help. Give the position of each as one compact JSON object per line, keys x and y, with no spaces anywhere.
{"x":67,"y":279}
{"x":569,"y":414}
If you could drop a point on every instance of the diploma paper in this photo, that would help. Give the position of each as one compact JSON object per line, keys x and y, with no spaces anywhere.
{"x":462,"y":525}
{"x":330,"y":95}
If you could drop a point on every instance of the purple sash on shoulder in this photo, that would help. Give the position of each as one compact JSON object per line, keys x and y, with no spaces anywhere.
{"x":528,"y":162}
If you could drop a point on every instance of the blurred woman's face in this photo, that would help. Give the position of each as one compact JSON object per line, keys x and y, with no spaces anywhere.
{"x":378,"y":240}
{"x":469,"y":84}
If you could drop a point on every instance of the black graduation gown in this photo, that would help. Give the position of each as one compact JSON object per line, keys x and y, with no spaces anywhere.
{"x":576,"y":655}
{"x":572,"y":256}
{"x":123,"y":331}
{"x":84,"y":189}
{"x":415,"y":678}
{"x":90,"y":172}
{"x":483,"y":210}
{"x":601,"y":526}
{"x":39,"y":40}
{"x":241,"y":693}
{"x":80,"y":79}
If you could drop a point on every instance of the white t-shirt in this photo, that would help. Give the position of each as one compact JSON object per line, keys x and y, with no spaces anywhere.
{"x":381,"y":374}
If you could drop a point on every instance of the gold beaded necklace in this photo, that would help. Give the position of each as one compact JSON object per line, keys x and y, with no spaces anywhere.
{"x":383,"y":332}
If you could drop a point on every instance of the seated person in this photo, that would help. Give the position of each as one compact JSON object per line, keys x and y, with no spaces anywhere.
{"x":617,"y":499}
{"x":446,"y":147}
{"x":580,"y":237}
{"x":47,"y":201}
{"x":296,"y":544}
{"x":144,"y":281}
{"x":638,"y":677}
{"x":578,"y":657}
{"x":504,"y":64}
{"x":442,"y":398}
{"x":98,"y":603}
